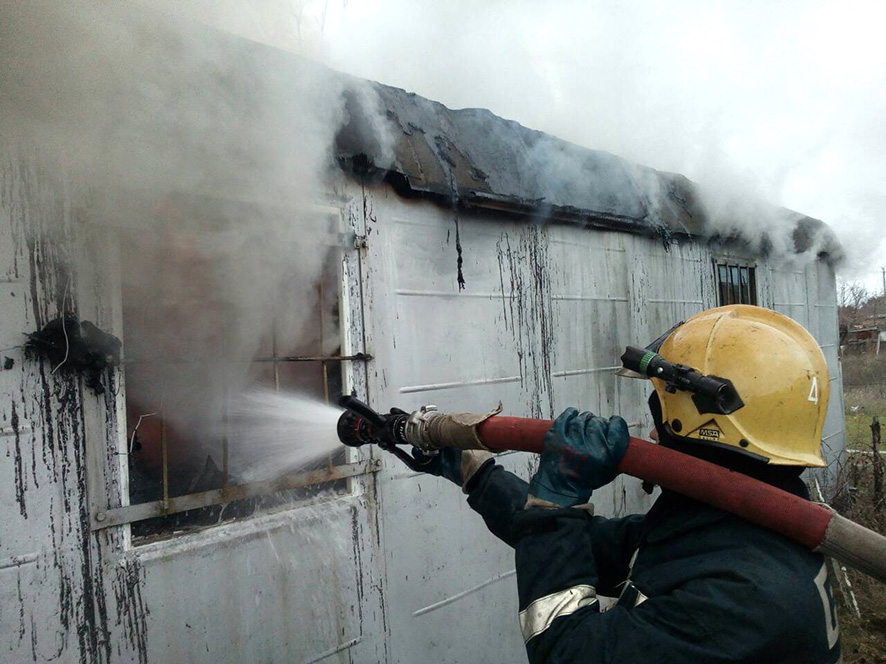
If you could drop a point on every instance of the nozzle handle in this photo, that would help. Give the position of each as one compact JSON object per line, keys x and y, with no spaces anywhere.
{"x":354,"y":405}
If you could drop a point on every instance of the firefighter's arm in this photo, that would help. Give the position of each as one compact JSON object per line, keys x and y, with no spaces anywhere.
{"x":581,"y":453}
{"x":560,"y":618}
{"x":498,"y":495}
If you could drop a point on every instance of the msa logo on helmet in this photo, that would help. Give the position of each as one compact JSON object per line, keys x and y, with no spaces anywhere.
{"x":708,"y":433}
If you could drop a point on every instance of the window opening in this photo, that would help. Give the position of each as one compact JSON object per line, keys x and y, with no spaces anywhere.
{"x":723,"y":283}
{"x":736,"y":283}
{"x":735,"y":293}
{"x":199,"y":327}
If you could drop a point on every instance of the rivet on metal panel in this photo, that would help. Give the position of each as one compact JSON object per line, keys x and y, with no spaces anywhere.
{"x":100,"y":516}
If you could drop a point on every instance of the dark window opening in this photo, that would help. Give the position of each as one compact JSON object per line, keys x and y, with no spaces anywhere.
{"x":736,"y":284}
{"x":206,"y":318}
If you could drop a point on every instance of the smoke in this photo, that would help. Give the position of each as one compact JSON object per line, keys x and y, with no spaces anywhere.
{"x":756,"y":101}
{"x":206,"y":161}
{"x":735,"y":207}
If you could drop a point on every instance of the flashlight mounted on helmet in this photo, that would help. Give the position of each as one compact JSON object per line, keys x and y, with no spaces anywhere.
{"x":710,"y":394}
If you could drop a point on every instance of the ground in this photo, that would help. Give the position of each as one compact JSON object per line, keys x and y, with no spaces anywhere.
{"x":864,"y":638}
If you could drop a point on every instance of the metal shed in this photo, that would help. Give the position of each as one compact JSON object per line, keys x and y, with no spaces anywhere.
{"x":475,"y":261}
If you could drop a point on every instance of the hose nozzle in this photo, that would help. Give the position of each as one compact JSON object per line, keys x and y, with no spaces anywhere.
{"x":361,"y":425}
{"x":425,"y":428}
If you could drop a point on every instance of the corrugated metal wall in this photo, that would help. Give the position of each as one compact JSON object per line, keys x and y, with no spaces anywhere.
{"x":399,"y":571}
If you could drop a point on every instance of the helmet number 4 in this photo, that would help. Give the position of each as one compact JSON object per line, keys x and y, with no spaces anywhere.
{"x":813,"y":391}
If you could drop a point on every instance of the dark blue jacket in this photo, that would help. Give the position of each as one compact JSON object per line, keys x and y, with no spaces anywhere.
{"x":705,"y":586}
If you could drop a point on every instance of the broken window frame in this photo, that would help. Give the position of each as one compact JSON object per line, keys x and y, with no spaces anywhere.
{"x":352,"y":362}
{"x":735,"y":281}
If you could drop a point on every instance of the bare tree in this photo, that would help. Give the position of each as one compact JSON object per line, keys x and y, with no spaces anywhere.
{"x":851,"y":297}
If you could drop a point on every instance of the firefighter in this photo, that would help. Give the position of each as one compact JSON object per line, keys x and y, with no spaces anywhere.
{"x":694,"y":583}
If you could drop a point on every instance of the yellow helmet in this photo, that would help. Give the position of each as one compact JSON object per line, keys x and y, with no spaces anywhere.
{"x":778,"y":371}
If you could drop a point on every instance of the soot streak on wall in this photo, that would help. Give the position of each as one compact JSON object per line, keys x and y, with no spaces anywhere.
{"x":442,"y":150}
{"x":90,"y":602}
{"x":526,"y":268}
{"x":20,"y":476}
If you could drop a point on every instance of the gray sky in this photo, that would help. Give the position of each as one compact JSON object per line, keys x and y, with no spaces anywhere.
{"x":785,"y":100}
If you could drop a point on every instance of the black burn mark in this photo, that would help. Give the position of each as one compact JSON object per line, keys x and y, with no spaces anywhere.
{"x":460,"y":260}
{"x":54,"y":405}
{"x":78,"y":347}
{"x":665,"y":235}
{"x":110,"y":398}
{"x":442,"y":148}
{"x":501,"y":279}
{"x":531,"y":312}
{"x":132,"y":612}
{"x":515,"y":300}
{"x":33,"y":640}
{"x":93,"y":631}
{"x":20,"y":478}
{"x":358,"y":561}
{"x":542,"y":304}
{"x":21,"y":606}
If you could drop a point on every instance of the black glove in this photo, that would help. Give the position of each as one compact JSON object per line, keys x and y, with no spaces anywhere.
{"x":581,"y":453}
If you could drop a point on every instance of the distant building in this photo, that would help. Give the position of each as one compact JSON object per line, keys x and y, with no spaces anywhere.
{"x":866,"y":336}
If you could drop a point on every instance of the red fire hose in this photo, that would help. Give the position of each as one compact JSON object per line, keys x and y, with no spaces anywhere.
{"x":811,"y":524}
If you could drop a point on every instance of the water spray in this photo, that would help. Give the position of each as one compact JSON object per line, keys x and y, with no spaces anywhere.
{"x":814,"y":525}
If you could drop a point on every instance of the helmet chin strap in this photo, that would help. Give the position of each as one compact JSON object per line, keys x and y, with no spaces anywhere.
{"x":664,"y":435}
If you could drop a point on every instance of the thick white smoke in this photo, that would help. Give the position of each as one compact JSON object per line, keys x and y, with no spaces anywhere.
{"x":207,"y":159}
{"x":758,"y":102}
{"x":169,"y":130}
{"x":755,"y":100}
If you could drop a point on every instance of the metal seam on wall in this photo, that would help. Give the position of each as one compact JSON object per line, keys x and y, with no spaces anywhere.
{"x":409,"y":389}
{"x":464,"y":593}
{"x":580,"y":372}
{"x":461,"y":295}
{"x":19,"y":561}
{"x":589,"y":298}
{"x":332,"y":651}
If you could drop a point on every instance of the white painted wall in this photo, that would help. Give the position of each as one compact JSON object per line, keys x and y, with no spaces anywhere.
{"x":401,"y":570}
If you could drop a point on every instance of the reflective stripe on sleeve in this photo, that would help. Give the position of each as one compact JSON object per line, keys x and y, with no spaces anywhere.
{"x":539,"y":615}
